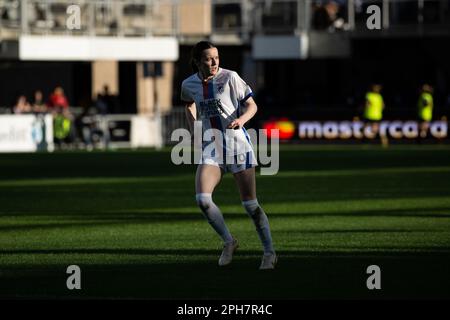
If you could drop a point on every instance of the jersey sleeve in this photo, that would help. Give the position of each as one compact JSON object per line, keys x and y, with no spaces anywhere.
{"x":242,"y":89}
{"x":185,"y":95}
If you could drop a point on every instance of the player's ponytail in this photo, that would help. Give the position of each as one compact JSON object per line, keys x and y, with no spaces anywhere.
{"x":196,"y":53}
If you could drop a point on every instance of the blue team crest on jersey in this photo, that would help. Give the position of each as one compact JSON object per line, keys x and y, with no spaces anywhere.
{"x":220,"y":88}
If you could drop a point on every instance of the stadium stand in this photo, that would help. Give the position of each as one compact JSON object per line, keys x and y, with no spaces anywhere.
{"x":304,"y":59}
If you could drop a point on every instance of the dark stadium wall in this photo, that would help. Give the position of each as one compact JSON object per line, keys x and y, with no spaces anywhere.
{"x":18,"y":77}
{"x":402,"y":65}
{"x":335,"y":88}
{"x":82,"y":84}
{"x":127,"y":87}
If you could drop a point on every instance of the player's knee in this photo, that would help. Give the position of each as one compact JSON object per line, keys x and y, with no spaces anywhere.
{"x":258,"y":216}
{"x":204,"y":201}
{"x":255,"y":211}
{"x":251,"y":206}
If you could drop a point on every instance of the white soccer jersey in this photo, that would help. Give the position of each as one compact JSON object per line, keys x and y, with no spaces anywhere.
{"x":218,"y":103}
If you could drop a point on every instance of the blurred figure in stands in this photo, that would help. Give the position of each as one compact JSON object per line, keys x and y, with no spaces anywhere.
{"x":58,"y":99}
{"x":85,"y":126}
{"x":334,"y":12}
{"x":373,"y":113}
{"x":103,"y":104}
{"x":328,"y":16}
{"x":425,"y":109}
{"x":64,"y":133}
{"x":22,"y":106}
{"x":321,"y":19}
{"x":63,"y":130}
{"x":106,"y":102}
{"x":38,"y":105}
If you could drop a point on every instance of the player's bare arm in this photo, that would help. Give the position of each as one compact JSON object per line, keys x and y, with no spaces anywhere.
{"x":191,"y":115}
{"x":250,"y":110}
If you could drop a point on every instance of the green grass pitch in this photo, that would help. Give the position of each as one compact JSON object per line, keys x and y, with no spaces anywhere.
{"x":130,"y":221}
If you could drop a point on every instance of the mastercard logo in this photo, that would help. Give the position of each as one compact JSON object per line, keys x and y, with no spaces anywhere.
{"x":286,"y":129}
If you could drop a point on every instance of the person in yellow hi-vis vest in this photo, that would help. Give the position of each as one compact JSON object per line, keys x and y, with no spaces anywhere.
{"x":373,"y":111}
{"x":62,"y":127}
{"x":425,"y":109}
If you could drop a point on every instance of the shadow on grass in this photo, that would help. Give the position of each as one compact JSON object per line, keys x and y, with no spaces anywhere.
{"x":86,"y":219}
{"x":151,"y":214}
{"x":139,"y":164}
{"x":95,"y":198}
{"x":296,"y":277}
{"x":351,"y":252}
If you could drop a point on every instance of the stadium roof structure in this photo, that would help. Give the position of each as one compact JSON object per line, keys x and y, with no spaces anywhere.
{"x":54,"y":48}
{"x":149,"y":29}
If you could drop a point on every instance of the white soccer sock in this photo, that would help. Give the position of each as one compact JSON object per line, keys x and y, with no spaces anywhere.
{"x":261,"y":222}
{"x":214,"y":216}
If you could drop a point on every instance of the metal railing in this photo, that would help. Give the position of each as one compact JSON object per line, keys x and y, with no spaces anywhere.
{"x":172,"y":120}
{"x":240,"y":17}
{"x":112,"y":131}
{"x":97,"y":17}
{"x":402,"y":14}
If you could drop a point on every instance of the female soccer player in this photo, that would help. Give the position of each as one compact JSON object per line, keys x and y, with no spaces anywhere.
{"x":221,"y":100}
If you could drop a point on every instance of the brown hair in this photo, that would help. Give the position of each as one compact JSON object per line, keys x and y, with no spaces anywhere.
{"x":196,"y":53}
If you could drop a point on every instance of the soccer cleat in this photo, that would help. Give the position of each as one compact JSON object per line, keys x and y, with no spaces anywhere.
{"x":268,"y":261}
{"x":227,"y":253}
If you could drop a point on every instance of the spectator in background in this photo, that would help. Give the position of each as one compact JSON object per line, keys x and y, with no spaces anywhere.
{"x":39,"y":12}
{"x":328,"y":16}
{"x":104,"y":102}
{"x":111,"y":101}
{"x":64,"y":132}
{"x":85,"y":127}
{"x":63,"y":129}
{"x":22,"y":106}
{"x":4,"y":14}
{"x":58,"y":99}
{"x":425,"y":109}
{"x":373,"y":111}
{"x":374,"y":104}
{"x":38,"y":105}
{"x":101,"y":105}
{"x":334,"y":12}
{"x":321,"y":19}
{"x":38,"y":16}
